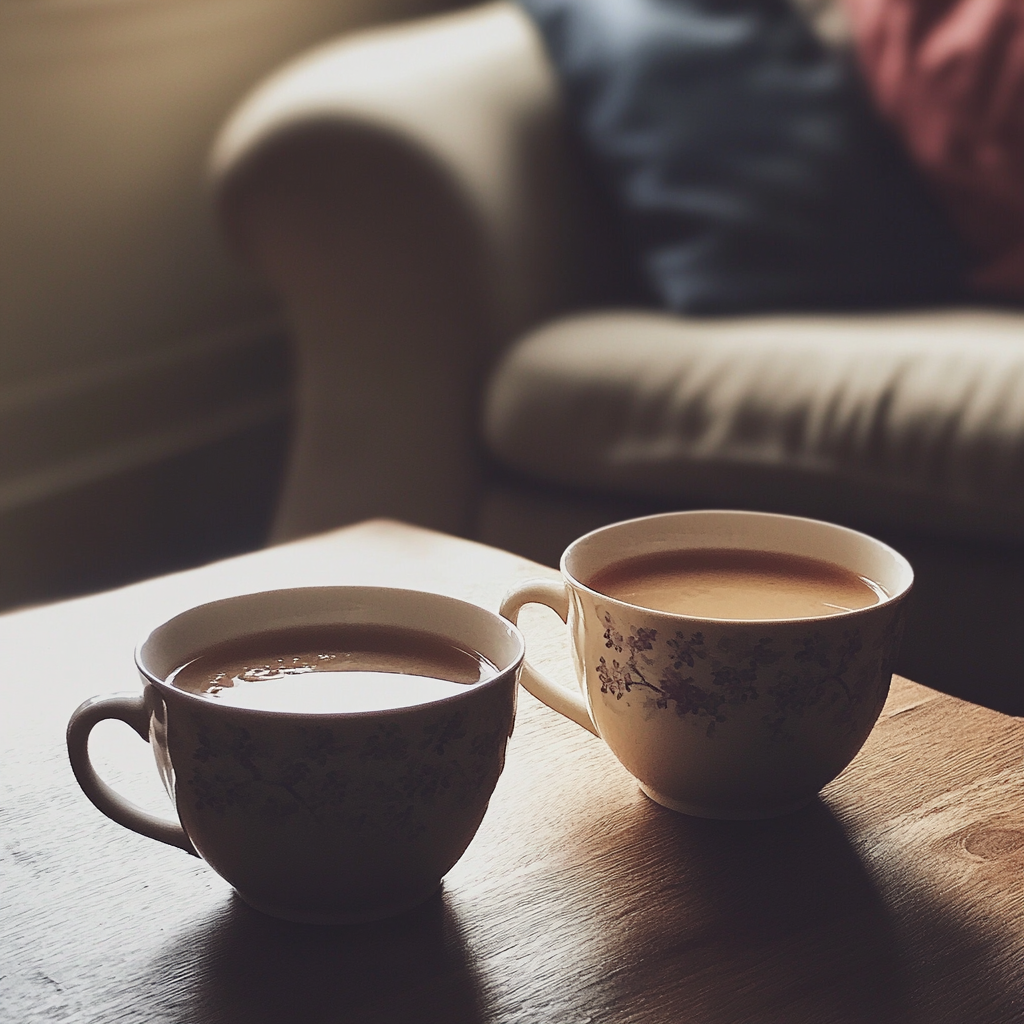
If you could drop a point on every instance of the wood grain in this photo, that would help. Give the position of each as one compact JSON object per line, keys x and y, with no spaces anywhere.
{"x":899,"y":896}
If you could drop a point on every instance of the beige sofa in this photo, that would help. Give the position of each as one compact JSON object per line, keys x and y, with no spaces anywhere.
{"x":455,"y":298}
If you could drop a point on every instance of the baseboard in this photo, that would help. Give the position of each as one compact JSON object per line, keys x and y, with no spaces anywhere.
{"x":76,"y":429}
{"x":142,"y":467}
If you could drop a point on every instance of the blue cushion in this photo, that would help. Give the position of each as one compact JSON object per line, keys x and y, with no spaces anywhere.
{"x":749,"y":167}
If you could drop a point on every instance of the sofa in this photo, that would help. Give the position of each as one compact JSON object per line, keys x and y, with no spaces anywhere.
{"x":472,"y":356}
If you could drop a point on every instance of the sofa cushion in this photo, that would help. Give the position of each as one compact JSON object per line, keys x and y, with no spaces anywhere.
{"x":950,"y":77}
{"x":913,"y":420}
{"x":748,"y":164}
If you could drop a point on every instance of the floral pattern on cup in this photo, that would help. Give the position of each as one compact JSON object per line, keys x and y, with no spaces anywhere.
{"x":711,"y":679}
{"x":302,"y":775}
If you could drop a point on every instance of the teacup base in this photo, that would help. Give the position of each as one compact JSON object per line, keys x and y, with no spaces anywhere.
{"x":696,"y":811}
{"x":363,"y":917}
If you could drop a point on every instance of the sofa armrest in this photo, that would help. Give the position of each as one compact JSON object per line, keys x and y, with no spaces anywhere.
{"x":407,"y":192}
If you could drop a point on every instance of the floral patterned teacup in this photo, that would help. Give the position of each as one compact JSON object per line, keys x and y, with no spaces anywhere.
{"x":724,"y":718}
{"x":320,"y":818}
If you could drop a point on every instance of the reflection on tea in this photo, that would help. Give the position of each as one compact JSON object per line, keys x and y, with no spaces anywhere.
{"x":329,"y":670}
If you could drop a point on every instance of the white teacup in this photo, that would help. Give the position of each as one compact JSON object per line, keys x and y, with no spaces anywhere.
{"x":316,"y":817}
{"x":724,"y":718}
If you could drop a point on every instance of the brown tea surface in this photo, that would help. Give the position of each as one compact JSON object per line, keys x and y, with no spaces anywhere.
{"x":726,"y":583}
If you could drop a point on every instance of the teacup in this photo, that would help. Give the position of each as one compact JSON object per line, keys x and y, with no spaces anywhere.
{"x":716,"y":717}
{"x":316,"y":817}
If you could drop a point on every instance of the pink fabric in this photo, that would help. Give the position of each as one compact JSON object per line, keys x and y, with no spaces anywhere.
{"x":949,"y":75}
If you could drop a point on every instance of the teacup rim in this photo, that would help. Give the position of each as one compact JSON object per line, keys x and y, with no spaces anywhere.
{"x":889,"y":601}
{"x":232,"y":710}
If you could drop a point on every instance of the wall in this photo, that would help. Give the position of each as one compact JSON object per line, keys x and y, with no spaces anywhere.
{"x":129,"y":340}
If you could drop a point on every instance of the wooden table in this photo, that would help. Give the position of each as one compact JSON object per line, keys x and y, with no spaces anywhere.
{"x":898,"y":897}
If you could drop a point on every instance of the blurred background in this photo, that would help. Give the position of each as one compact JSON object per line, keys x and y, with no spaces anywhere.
{"x":144,"y":381}
{"x":530,"y":267}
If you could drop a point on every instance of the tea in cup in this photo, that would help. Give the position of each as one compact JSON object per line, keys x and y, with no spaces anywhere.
{"x":330,"y":751}
{"x":734,"y":662}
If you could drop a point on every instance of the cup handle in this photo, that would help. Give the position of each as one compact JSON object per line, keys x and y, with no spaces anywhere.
{"x":555,"y":595}
{"x":131,"y":709}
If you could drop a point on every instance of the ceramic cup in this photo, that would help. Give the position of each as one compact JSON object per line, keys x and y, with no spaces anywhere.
{"x":319,"y":818}
{"x":723,"y":718}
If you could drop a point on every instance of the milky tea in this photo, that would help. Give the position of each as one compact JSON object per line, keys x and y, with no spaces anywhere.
{"x":332,"y":669}
{"x":727,"y":583}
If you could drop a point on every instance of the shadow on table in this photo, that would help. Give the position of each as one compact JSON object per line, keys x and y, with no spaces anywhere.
{"x":638,"y":915}
{"x":779,"y":921}
{"x":250,"y":968}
